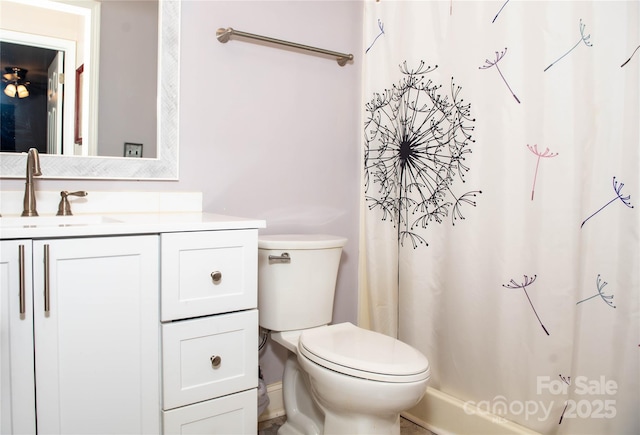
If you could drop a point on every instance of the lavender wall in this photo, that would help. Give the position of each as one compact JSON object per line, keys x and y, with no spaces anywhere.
{"x":265,"y":132}
{"x":274,"y":134}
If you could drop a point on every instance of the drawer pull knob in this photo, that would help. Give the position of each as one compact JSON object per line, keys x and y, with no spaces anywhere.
{"x":216,"y":276}
{"x":216,"y":361}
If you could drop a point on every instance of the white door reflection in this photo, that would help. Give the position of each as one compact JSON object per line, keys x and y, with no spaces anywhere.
{"x":55,"y":97}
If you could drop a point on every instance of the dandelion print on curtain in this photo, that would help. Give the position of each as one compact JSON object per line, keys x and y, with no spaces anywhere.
{"x":500,"y":197}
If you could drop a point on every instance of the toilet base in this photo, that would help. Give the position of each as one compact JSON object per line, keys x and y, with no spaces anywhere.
{"x":304,"y":417}
{"x":353,"y":424}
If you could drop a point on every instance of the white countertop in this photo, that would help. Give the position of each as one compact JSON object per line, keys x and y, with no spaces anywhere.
{"x":105,"y":224}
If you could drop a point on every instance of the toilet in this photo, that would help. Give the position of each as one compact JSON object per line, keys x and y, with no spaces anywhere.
{"x":338,"y":378}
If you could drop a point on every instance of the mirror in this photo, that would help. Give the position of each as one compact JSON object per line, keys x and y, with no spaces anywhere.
{"x":165,"y":165}
{"x":43,"y":42}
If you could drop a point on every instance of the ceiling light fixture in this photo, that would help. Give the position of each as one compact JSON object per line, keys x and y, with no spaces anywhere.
{"x":16,"y":83}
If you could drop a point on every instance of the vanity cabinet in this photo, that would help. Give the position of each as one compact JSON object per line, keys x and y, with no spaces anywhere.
{"x":145,"y":326}
{"x":80,"y":346}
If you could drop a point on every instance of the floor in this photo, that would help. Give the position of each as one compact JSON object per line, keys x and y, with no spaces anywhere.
{"x":270,"y":427}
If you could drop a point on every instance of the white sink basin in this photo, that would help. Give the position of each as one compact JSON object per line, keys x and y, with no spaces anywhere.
{"x":54,"y":221}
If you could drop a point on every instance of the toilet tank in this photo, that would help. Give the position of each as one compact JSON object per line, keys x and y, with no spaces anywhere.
{"x":297,"y":280}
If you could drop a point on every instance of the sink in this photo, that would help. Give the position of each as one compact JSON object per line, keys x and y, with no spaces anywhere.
{"x":54,"y":221}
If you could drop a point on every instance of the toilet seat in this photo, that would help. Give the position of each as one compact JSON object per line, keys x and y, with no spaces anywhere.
{"x":357,"y":352}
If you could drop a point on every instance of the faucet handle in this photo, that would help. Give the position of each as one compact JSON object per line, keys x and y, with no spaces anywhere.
{"x":64,"y":208}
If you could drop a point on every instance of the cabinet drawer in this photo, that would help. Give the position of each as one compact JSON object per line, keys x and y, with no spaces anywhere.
{"x":208,"y":272}
{"x":234,"y":414}
{"x":209,"y":357}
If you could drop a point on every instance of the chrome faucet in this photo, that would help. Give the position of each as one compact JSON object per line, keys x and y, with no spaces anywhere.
{"x":33,"y":169}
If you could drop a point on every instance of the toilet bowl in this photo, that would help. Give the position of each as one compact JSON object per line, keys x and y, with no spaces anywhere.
{"x":339,"y":378}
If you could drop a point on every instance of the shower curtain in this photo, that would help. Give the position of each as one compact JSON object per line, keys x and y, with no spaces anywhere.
{"x":500,"y":228}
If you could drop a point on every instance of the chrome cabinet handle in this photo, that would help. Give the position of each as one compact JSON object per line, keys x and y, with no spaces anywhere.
{"x":47,"y":304}
{"x":215,"y":361}
{"x":216,"y":276}
{"x":21,"y":274}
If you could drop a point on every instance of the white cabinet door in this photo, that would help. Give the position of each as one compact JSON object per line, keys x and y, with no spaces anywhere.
{"x":97,"y":335}
{"x":17,"y":394}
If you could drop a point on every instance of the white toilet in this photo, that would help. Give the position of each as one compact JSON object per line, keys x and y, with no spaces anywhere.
{"x":338,"y":379}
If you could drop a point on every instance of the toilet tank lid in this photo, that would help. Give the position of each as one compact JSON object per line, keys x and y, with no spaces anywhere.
{"x":300,"y":241}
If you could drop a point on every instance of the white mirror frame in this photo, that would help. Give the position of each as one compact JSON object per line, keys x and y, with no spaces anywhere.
{"x":165,"y":166}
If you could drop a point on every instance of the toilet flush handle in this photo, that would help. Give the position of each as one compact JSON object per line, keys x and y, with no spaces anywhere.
{"x":284,"y":257}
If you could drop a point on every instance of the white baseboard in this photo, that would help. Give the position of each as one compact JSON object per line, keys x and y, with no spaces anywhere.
{"x":276,"y":404}
{"x":438,"y":412}
{"x":446,"y":415}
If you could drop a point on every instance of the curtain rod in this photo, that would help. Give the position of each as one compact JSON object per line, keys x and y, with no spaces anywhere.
{"x":224,"y":35}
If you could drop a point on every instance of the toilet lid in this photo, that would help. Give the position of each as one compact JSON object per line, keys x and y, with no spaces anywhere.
{"x":358,"y":352}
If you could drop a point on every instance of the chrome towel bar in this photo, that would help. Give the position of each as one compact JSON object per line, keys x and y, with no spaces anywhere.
{"x":224,"y":35}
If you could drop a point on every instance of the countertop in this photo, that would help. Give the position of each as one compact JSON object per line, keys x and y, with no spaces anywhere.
{"x":106,"y":224}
